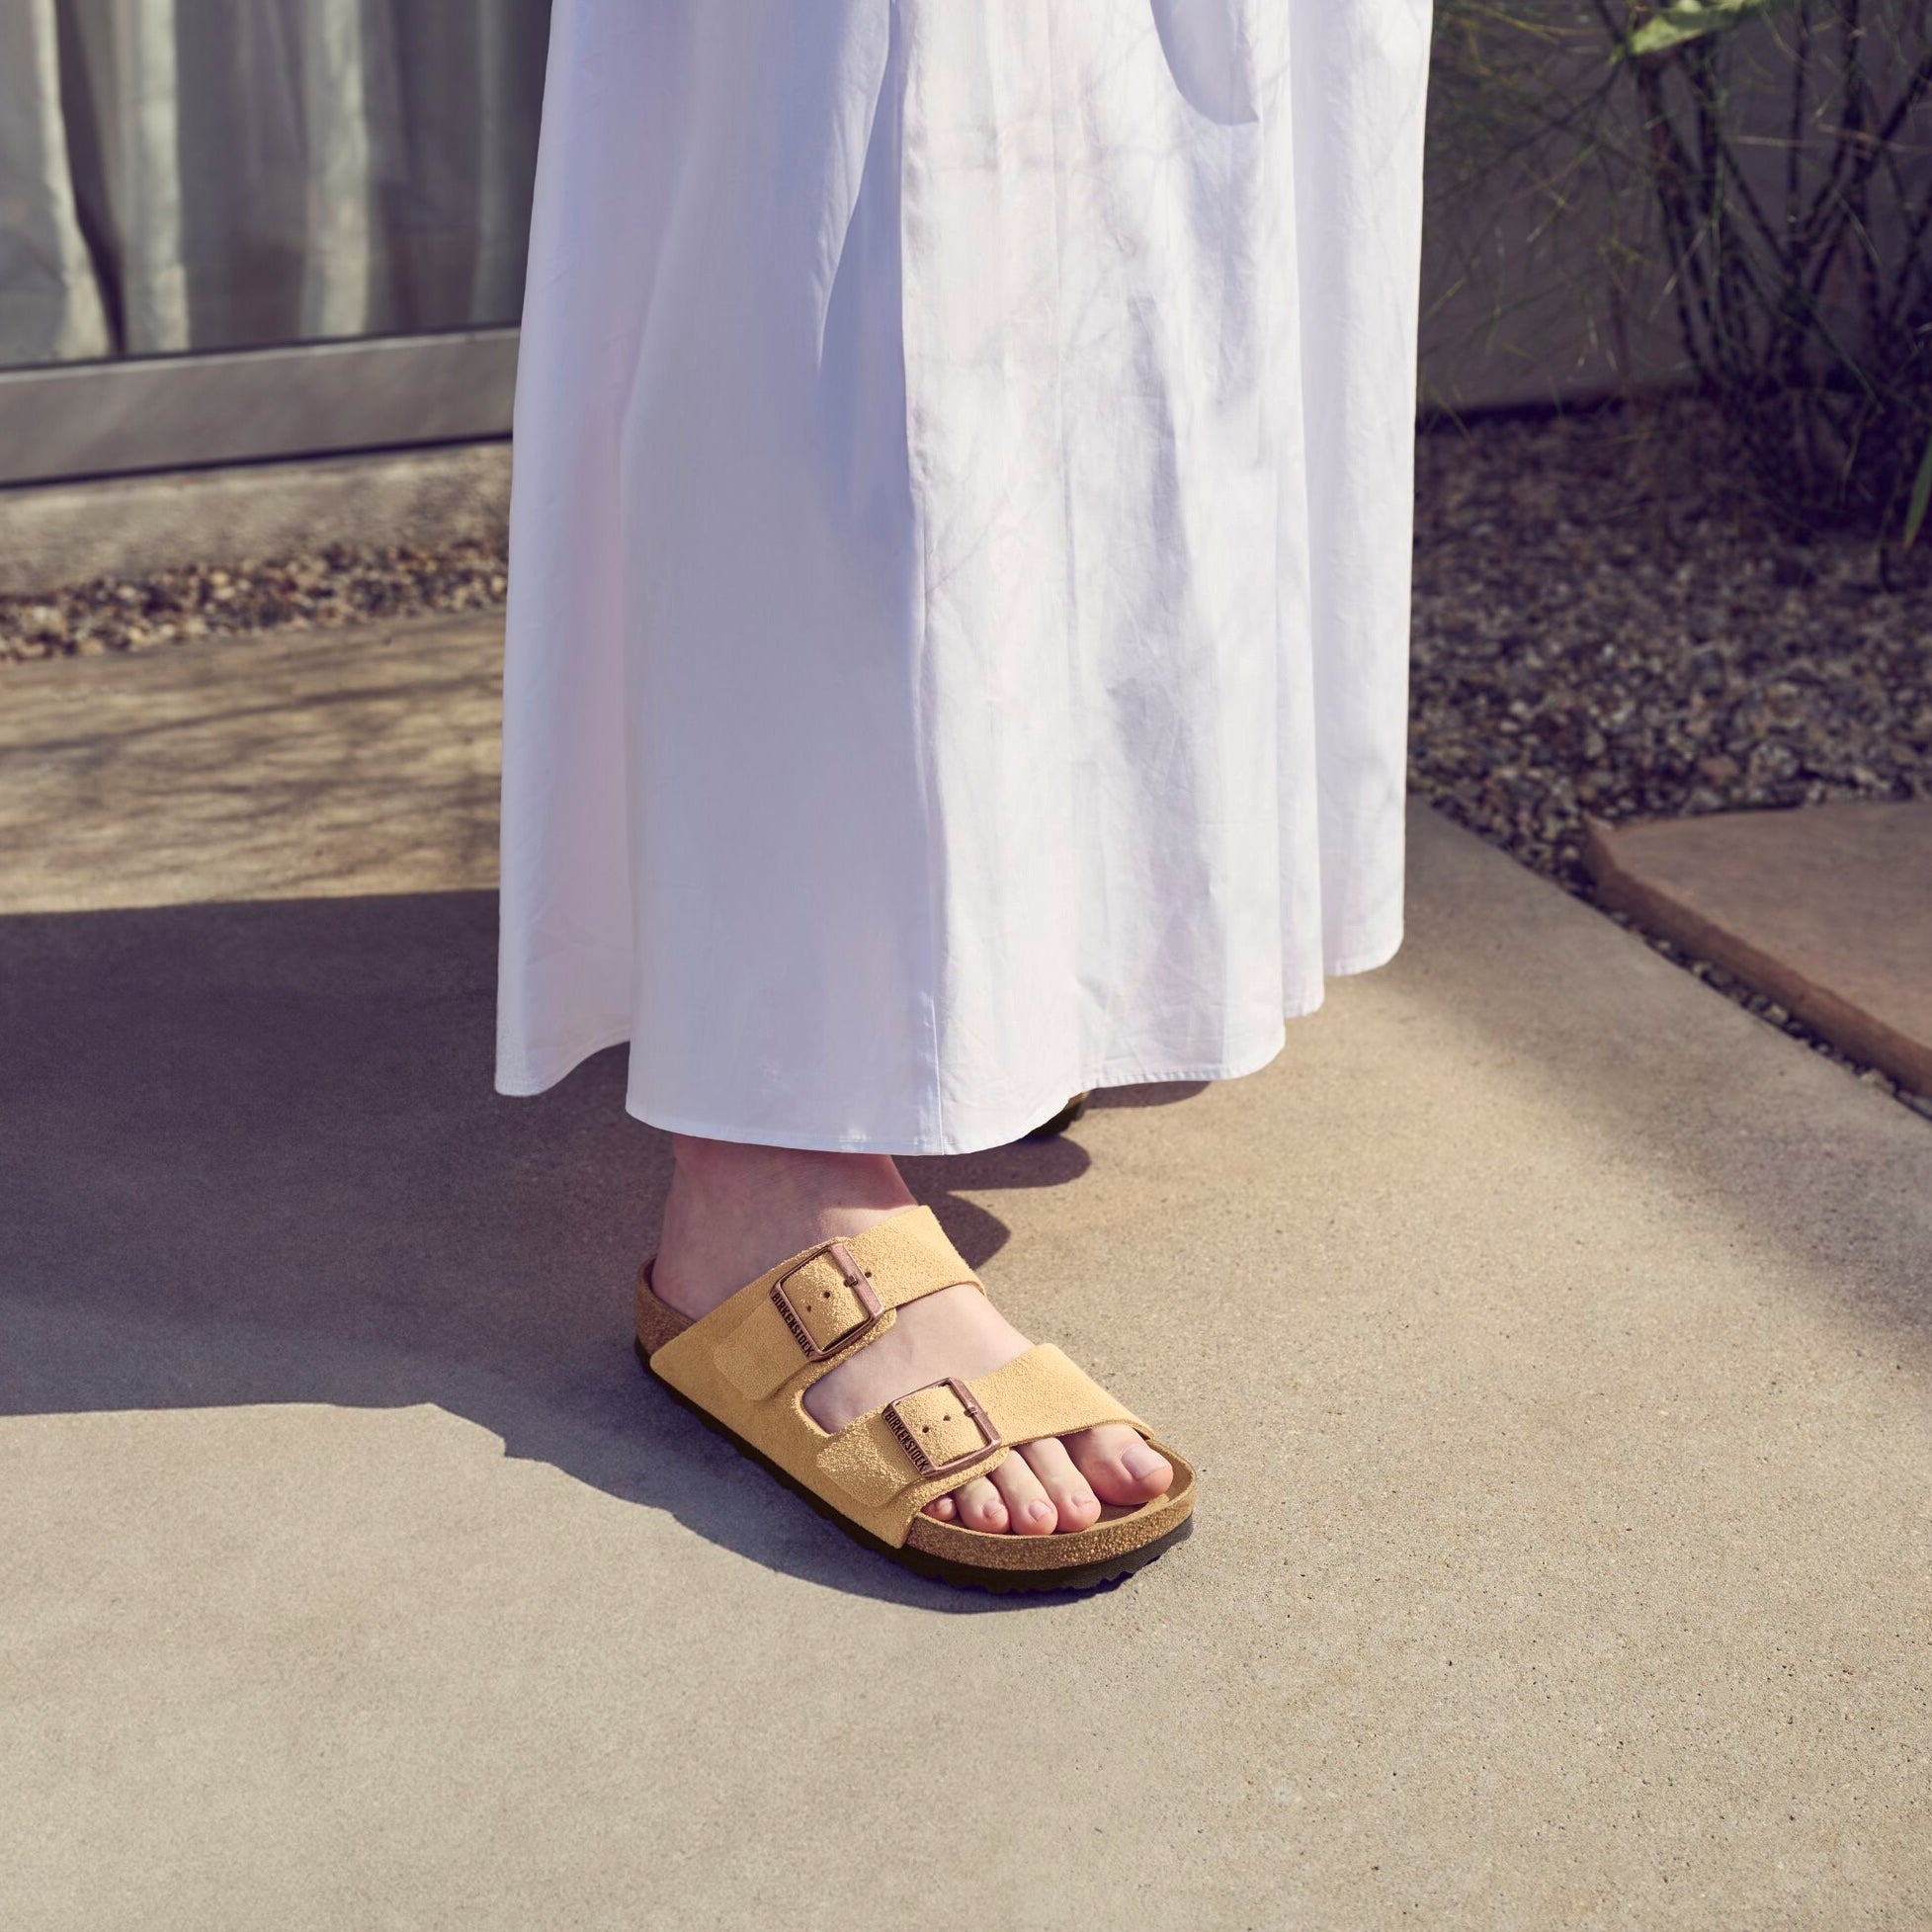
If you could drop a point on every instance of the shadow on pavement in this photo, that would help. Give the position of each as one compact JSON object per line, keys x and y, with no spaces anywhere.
{"x":252,"y":1155}
{"x":1163,"y":1093}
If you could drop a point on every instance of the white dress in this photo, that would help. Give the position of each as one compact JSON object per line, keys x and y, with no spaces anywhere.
{"x":960,"y":567}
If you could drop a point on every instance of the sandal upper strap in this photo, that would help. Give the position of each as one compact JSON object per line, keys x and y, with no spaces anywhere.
{"x":810,"y":1310}
{"x":939,"y":1437}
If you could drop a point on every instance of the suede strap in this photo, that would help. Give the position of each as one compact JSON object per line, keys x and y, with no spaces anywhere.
{"x":758,"y":1336}
{"x":1038,"y":1393}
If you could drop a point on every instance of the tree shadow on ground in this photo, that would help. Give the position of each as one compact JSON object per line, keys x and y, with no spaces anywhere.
{"x":252,"y":1155}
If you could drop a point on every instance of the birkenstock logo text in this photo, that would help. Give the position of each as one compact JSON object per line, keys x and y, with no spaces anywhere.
{"x":914,"y":1449}
{"x":799,"y":1333}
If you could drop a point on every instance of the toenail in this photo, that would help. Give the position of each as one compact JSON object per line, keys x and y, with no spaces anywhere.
{"x":1140,"y":1460}
{"x":1039,"y":1510}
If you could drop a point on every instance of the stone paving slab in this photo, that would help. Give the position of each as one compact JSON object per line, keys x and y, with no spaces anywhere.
{"x":1827,"y":910}
{"x":1553,"y":1347}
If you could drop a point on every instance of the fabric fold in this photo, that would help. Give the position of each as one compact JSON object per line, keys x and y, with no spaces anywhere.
{"x":959,"y":612}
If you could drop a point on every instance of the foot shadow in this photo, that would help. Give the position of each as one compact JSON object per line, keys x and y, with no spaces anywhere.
{"x":253,"y":1156}
{"x":1050,"y":1161}
{"x":944,"y":1182}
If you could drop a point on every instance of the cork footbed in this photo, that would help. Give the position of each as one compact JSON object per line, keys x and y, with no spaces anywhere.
{"x":1123,"y":1541}
{"x":1119,"y":1532}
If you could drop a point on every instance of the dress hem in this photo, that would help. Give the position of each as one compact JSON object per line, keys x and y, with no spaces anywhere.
{"x":974,"y":1141}
{"x":1013,"y":1125}
{"x":525,"y":1085}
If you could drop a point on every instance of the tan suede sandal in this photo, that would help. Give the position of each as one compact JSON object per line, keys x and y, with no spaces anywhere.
{"x":743,"y":1370}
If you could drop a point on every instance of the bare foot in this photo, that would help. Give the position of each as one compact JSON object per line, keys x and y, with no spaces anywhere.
{"x":734,"y":1210}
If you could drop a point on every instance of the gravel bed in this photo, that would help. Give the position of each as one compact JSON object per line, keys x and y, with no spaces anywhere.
{"x":1603,"y":626}
{"x":331,"y":589}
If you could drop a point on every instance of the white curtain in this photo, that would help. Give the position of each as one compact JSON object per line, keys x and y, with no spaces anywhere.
{"x":50,"y":305}
{"x":204,"y":174}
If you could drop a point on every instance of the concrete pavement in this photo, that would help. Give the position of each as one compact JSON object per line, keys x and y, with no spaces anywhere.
{"x":1557,"y":1356}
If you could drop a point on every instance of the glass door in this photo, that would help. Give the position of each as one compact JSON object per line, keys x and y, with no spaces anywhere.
{"x":183,"y":182}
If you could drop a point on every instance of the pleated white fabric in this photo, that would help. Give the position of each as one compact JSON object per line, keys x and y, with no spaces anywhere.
{"x":959,"y":565}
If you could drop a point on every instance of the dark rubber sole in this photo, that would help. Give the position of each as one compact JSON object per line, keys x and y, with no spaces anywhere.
{"x":1003,"y":1582}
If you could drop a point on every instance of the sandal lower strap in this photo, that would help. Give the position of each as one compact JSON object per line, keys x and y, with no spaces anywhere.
{"x":884,"y":1468}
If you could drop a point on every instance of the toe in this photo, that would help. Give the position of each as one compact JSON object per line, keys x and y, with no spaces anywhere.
{"x":1072,"y":1496}
{"x":981,"y":1505}
{"x":943,"y":1509}
{"x":1028,"y":1509}
{"x":1122,"y":1467}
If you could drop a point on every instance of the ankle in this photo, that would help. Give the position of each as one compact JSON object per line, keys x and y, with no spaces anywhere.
{"x":734,"y":1210}
{"x":729,"y":1171}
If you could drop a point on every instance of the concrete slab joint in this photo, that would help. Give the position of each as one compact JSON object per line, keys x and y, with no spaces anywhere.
{"x":1826,"y":908}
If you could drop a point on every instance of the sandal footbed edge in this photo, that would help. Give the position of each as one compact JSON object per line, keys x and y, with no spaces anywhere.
{"x":1003,"y":1577}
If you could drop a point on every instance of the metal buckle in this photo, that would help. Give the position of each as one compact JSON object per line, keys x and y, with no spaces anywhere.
{"x":840,"y":1256}
{"x":916,"y":1449}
